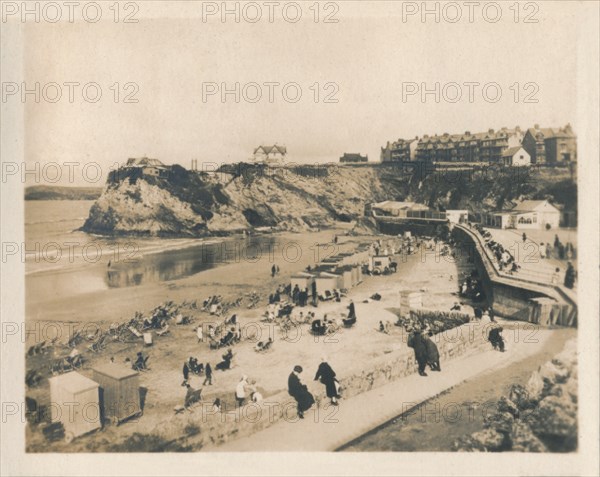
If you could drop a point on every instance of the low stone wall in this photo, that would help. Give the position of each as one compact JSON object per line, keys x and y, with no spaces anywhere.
{"x":205,"y":427}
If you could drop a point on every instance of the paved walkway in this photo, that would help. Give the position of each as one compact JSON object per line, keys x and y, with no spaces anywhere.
{"x":330,"y":428}
{"x":527,"y":256}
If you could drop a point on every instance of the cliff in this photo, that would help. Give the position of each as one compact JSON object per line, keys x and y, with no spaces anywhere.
{"x":62,"y":193}
{"x":242,"y":196}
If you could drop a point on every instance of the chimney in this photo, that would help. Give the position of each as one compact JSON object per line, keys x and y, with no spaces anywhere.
{"x":518,"y":128}
{"x":491,"y":131}
{"x":467,"y":133}
{"x":536,"y":126}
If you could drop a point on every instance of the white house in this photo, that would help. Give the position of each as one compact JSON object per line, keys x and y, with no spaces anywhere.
{"x":516,"y":156}
{"x":535,"y":214}
{"x":270,"y":154}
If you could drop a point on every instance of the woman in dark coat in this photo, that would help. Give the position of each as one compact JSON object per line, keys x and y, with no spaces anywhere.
{"x":433,"y":355}
{"x":570,"y":276}
{"x":416,"y":342}
{"x":299,"y":392}
{"x":326,"y":375}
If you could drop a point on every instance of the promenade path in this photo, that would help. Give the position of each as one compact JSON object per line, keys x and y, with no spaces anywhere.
{"x":329,"y":428}
{"x":527,"y":256}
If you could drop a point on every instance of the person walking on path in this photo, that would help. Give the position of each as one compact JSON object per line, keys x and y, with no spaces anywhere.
{"x":326,"y":375}
{"x":433,"y":355}
{"x":417,"y":343}
{"x":299,"y":392}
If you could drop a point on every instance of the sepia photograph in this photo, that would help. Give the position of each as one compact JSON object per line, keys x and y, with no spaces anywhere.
{"x":300,"y":238}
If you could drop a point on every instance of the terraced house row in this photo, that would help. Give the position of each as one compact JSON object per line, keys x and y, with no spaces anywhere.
{"x":505,"y":146}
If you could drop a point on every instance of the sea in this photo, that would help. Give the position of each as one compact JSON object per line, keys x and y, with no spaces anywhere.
{"x":62,"y":260}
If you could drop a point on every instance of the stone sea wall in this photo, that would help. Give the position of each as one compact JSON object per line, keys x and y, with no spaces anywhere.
{"x":205,"y":427}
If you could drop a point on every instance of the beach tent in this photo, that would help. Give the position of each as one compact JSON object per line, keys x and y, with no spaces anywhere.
{"x":75,"y":403}
{"x":119,"y":391}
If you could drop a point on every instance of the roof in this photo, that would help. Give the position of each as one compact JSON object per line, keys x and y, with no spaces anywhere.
{"x":144,"y":161}
{"x":351,"y":156}
{"x":397,"y":205}
{"x":271,"y":149}
{"x":548,"y":133}
{"x":511,"y":151}
{"x":74,"y":382}
{"x":529,"y":205}
{"x":115,"y":371}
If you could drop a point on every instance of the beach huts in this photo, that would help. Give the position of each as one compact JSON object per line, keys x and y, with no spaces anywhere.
{"x":119,"y":392}
{"x":303,"y":280}
{"x":75,"y":404}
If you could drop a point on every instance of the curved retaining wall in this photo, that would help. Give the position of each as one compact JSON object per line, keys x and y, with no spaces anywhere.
{"x":511,"y":296}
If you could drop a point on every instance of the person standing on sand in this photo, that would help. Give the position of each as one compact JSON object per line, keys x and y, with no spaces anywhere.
{"x":299,"y":392}
{"x":273,"y":270}
{"x":326,"y":375}
{"x":351,"y":311}
{"x":240,"y":391}
{"x":186,"y":373}
{"x":209,"y":374}
{"x":315,"y":295}
{"x":199,"y":334}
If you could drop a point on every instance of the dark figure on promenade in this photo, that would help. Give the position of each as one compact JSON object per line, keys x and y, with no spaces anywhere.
{"x":208,"y":373}
{"x":524,"y":237}
{"x":299,"y":392}
{"x":186,"y":373}
{"x":315,"y":296}
{"x":495,"y":337}
{"x":433,"y":355}
{"x":326,"y":375}
{"x":416,"y":342}
{"x":273,"y":271}
{"x":295,"y":294}
{"x":561,"y":251}
{"x":556,"y":241}
{"x":570,"y":276}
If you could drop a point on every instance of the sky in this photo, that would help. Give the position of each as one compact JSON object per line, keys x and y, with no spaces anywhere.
{"x":364,"y":63}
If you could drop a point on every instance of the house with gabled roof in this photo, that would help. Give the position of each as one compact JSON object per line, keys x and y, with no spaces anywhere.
{"x":516,"y":156}
{"x":270,"y":154}
{"x":551,"y":145}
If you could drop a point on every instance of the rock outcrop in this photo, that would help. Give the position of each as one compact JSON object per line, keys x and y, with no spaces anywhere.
{"x":178,"y":202}
{"x":538,"y":417}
